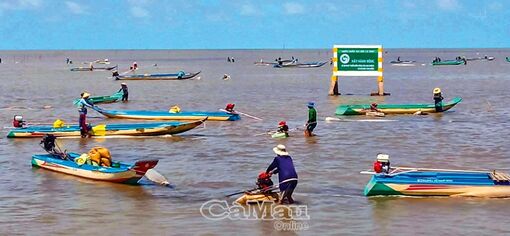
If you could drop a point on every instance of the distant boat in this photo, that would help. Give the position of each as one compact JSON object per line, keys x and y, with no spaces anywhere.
{"x":300,"y":65}
{"x":486,"y":58}
{"x":174,"y":76}
{"x":448,"y":63}
{"x":93,"y":68}
{"x":398,"y":62}
{"x":508,"y":59}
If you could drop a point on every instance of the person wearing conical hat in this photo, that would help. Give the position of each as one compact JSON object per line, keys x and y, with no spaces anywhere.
{"x":125,"y":93}
{"x":287,"y":176}
{"x":438,"y":100}
{"x":82,"y":110}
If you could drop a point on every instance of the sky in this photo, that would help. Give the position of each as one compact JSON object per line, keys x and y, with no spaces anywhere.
{"x":252,"y":24}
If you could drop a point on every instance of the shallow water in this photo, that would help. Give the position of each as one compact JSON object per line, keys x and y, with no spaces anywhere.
{"x":224,"y":157}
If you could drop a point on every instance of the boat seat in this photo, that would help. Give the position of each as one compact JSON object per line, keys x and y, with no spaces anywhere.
{"x":500,"y":178}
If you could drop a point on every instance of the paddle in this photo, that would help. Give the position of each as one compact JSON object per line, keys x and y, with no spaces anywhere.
{"x":156,"y":177}
{"x":99,"y":130}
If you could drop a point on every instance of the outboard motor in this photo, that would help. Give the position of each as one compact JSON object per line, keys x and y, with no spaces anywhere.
{"x":264,"y":181}
{"x":382,"y":163}
{"x":17,"y":121}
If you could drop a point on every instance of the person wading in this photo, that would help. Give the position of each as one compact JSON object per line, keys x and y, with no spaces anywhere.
{"x":312,"y":120}
{"x":287,"y":176}
{"x":124,"y":89}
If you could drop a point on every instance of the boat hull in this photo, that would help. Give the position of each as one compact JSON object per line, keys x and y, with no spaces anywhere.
{"x":448,"y":63}
{"x":143,"y":129}
{"x":157,"y":76}
{"x":125,"y":173}
{"x":362,"y":109}
{"x":421,"y":183}
{"x":163,"y":115}
{"x":256,"y":198}
{"x":103,"y":99}
{"x":93,"y":69}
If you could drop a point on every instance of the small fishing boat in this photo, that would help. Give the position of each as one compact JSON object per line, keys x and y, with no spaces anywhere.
{"x":398,"y":62}
{"x":93,"y":68}
{"x":362,"y":109}
{"x":438,"y":182}
{"x":140,"y":129}
{"x":103,"y":99}
{"x":507,"y":59}
{"x":279,"y":135}
{"x":250,"y":198}
{"x":448,"y":63}
{"x":174,"y":76}
{"x":300,"y":65}
{"x":166,"y":115}
{"x":123,"y":172}
{"x":485,"y":58}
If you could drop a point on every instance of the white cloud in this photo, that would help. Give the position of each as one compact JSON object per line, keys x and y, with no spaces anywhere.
{"x":139,"y":12}
{"x":448,"y":5}
{"x":76,"y":8}
{"x":249,"y":10}
{"x":293,"y":8}
{"x":495,"y":6}
{"x":138,"y":8}
{"x":19,"y":5}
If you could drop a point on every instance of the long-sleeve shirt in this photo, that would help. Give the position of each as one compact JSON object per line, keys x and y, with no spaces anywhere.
{"x":284,"y":167}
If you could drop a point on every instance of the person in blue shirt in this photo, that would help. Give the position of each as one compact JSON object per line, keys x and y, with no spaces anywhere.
{"x":82,"y":110}
{"x":287,"y":176}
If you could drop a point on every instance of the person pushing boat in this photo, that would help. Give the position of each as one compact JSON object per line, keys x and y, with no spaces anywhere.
{"x":82,"y":110}
{"x":438,"y":100}
{"x":124,"y":89}
{"x":283,"y":166}
{"x":312,"y":120}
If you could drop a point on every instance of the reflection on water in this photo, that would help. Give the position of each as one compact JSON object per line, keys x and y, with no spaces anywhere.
{"x":225,"y":157}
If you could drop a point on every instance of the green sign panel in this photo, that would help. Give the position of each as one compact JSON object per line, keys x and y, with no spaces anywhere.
{"x":357,"y":59}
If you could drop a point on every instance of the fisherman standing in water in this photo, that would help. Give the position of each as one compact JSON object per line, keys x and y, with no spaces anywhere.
{"x":438,"y":100}
{"x":124,"y":89}
{"x":287,"y":176}
{"x":82,"y":110}
{"x":312,"y":120}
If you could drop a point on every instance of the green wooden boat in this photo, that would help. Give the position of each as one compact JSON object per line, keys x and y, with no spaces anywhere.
{"x":103,"y":99}
{"x":448,"y":63}
{"x":362,"y":109}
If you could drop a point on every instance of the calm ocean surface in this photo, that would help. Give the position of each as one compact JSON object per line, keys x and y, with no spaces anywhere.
{"x":224,"y":157}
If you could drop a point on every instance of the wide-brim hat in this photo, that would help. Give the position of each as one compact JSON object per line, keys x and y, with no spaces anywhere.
{"x":280,"y":150}
{"x":311,"y":104}
{"x":122,"y":83}
{"x":437,"y":90}
{"x":85,"y":95}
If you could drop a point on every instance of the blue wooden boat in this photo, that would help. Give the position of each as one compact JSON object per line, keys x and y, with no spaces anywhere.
{"x":165,"y":115}
{"x":172,"y":76}
{"x":121,"y":173}
{"x":438,"y":182}
{"x":136,"y":129}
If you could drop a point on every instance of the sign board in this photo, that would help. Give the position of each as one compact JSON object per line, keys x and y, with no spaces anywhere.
{"x":357,"y":60}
